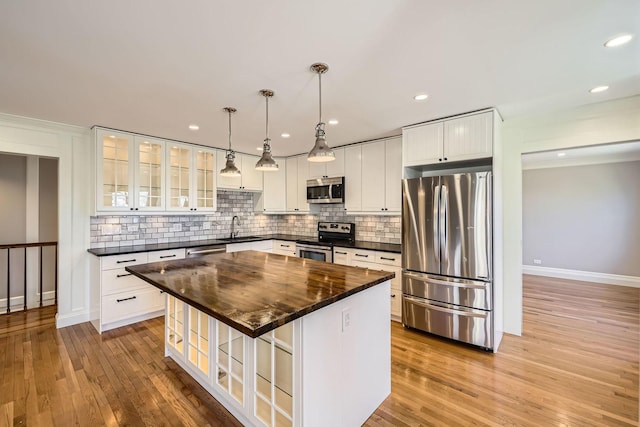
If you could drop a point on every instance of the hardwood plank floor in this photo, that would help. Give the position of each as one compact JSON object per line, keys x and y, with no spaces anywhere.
{"x":575,"y":365}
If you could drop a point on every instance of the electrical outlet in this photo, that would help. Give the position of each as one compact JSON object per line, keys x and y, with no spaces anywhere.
{"x":537,"y":261}
{"x":346,"y":319}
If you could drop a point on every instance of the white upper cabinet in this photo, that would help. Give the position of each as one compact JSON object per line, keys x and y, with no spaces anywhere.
{"x":331,"y":169}
{"x":250,"y":179}
{"x":275,"y":188}
{"x":130,"y":173}
{"x":464,"y":138}
{"x":469,"y":137}
{"x":297,"y":175}
{"x":353,"y":178}
{"x":191,"y":178}
{"x":373,"y":177}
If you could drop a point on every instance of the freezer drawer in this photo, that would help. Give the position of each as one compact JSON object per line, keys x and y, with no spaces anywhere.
{"x":450,"y":321}
{"x":469,"y":293}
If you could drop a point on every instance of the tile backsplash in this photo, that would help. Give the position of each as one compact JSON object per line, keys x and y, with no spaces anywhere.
{"x":127,"y":230}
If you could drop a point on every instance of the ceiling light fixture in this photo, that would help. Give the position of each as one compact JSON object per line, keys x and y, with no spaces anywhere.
{"x":562,"y":154}
{"x":421,"y":97}
{"x":230,"y":168}
{"x":320,"y":152}
{"x":619,"y":40}
{"x":285,"y":135}
{"x":266,"y":162}
{"x":599,"y":89}
{"x":333,"y":122}
{"x":194,"y":127}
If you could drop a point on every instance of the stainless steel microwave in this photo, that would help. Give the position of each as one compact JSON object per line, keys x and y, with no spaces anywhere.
{"x":325,"y":190}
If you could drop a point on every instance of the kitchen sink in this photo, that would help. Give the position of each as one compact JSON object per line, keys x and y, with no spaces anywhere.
{"x":240,"y":238}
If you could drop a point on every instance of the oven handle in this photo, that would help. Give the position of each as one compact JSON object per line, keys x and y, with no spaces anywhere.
{"x":430,"y":306}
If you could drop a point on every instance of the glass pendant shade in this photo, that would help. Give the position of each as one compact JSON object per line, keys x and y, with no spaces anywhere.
{"x":321,"y":152}
{"x":266,"y":162}
{"x":230,"y":168}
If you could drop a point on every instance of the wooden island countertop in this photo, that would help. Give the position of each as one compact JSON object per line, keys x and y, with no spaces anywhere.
{"x":256,"y":292}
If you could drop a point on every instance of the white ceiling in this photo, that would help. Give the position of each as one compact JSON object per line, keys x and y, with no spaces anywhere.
{"x":154,"y":67}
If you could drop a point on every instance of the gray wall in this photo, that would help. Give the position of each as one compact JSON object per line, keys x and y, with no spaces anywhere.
{"x":13,"y":198}
{"x":48,"y":200}
{"x":584,"y":218}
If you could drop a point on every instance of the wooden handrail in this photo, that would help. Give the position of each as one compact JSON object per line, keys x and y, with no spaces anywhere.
{"x":27,"y":245}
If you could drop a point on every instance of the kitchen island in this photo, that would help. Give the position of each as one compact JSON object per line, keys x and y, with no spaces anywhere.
{"x":279,"y":340}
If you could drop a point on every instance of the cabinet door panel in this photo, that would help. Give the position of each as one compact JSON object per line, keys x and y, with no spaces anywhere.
{"x":275,"y":188}
{"x":251,"y":178}
{"x":115,"y":171}
{"x":292,"y":183}
{"x":373,"y":179}
{"x":393,"y":175}
{"x":303,"y":173}
{"x":353,"y":178}
{"x":469,"y":137}
{"x":205,"y":179}
{"x":149,"y":174}
{"x":179,"y":164}
{"x":336,"y":167}
{"x":422,"y":145}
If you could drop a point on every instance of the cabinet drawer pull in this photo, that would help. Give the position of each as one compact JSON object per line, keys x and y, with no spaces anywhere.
{"x":285,"y":246}
{"x":126,"y":299}
{"x":123,"y":275}
{"x":126,"y":260}
{"x":362,"y":255}
{"x":393,"y":295}
{"x":341,"y":253}
{"x":167,"y":256}
{"x":387,"y":259}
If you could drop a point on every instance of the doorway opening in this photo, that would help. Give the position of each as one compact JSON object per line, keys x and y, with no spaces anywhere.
{"x":28,"y":232}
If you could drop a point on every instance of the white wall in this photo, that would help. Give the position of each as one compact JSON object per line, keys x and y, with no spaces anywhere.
{"x":612,"y":121}
{"x":71,"y":146}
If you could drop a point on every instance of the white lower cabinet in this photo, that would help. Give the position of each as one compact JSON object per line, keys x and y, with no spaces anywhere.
{"x":284,"y":247}
{"x":385,"y":261}
{"x":260,"y":245}
{"x":118,"y":298}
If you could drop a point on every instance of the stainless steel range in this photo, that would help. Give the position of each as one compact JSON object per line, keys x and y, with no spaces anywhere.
{"x":329,"y":233}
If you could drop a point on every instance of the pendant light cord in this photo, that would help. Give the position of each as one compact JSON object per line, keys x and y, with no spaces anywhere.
{"x":229,"y":130}
{"x":266,"y":131}
{"x":320,"y":97}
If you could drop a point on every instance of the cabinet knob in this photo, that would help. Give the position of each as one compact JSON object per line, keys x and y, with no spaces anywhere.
{"x":439,"y":160}
{"x":393,"y":295}
{"x":130,"y":209}
{"x":445,"y":158}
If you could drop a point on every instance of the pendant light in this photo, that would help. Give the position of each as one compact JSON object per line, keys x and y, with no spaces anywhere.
{"x":266,"y":162}
{"x":230,"y":168}
{"x":320,"y":152}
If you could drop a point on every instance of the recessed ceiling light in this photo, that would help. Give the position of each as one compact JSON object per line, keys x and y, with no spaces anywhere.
{"x":333,"y":122}
{"x":599,"y":89}
{"x":562,"y":154}
{"x":421,"y":97}
{"x":619,"y":40}
{"x":194,"y":127}
{"x":285,"y":135}
{"x":259,"y":148}
{"x":112,"y":136}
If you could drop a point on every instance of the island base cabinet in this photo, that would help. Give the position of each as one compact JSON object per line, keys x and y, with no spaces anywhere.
{"x":330,"y":367}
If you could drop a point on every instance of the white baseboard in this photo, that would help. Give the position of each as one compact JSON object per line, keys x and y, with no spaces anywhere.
{"x":17,"y":302}
{"x":585,"y":276}
{"x":71,"y":319}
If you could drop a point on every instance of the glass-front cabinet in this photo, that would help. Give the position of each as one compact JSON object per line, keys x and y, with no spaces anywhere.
{"x":130,"y":172}
{"x":273,"y":392}
{"x":230,"y":346}
{"x":191,"y":178}
{"x":174,"y":323}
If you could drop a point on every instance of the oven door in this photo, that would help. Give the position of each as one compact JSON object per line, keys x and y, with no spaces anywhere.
{"x":318,"y":253}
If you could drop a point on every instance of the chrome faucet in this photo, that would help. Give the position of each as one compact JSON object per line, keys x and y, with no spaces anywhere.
{"x":234,"y":232}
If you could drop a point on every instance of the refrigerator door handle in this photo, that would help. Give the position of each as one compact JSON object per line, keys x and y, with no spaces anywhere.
{"x":444,"y":223}
{"x":444,"y":282}
{"x":436,"y":224}
{"x":432,"y":306}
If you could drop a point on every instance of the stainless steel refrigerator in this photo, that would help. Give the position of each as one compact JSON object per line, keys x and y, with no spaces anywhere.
{"x":447,"y":250}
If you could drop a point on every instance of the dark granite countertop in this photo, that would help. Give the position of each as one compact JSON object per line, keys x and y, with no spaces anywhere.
{"x":256,"y":292}
{"x":374,"y":246}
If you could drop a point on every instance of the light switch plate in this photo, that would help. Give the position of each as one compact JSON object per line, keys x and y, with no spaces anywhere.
{"x":346,"y":319}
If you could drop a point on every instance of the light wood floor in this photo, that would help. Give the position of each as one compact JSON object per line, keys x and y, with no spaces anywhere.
{"x":575,"y":365}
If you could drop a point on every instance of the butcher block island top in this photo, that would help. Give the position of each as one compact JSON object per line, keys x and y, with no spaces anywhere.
{"x":256,"y":292}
